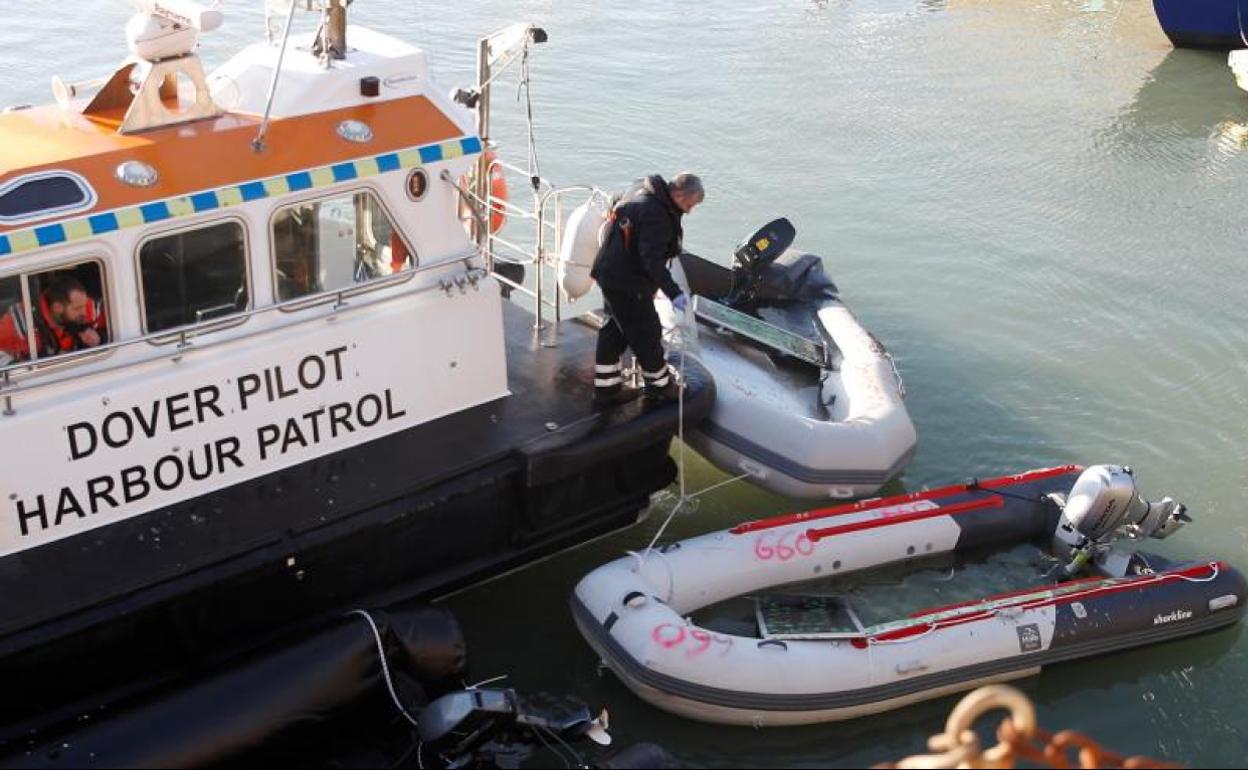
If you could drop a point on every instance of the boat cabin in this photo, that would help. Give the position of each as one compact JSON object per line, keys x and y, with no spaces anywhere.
{"x":186,"y":267}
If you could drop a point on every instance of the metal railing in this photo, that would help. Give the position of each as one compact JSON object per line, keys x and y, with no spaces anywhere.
{"x":538,"y":250}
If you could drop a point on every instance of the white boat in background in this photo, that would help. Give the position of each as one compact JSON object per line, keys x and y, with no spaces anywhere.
{"x":1238,"y":62}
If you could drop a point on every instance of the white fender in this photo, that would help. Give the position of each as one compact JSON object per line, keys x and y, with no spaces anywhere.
{"x":580,"y":246}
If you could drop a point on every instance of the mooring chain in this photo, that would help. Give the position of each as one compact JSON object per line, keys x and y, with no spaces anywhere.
{"x":1019,"y":738}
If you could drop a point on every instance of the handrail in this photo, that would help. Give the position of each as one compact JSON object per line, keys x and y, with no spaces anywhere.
{"x":548,"y":214}
{"x":186,"y":336}
{"x":492,"y":240}
{"x":202,"y":313}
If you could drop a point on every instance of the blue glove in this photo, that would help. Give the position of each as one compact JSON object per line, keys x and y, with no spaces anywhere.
{"x":681,"y":303}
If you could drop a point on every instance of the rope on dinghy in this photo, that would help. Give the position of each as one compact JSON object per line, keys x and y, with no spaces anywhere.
{"x":685,"y":325}
{"x":681,"y":324}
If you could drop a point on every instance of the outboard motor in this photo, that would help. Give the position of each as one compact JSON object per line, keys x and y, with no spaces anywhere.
{"x":1102,"y":508}
{"x":765,"y":245}
{"x":476,"y":727}
{"x":766,"y":270}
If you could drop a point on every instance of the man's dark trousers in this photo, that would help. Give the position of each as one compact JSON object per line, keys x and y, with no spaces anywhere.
{"x":632,"y":323}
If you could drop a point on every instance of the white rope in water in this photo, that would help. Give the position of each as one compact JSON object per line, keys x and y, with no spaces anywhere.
{"x":680,"y":431}
{"x":686,"y":498}
{"x":680,"y":412}
{"x":685,"y":326}
{"x":723,"y":483}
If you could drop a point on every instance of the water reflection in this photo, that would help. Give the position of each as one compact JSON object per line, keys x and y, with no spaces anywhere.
{"x":1189,"y":94}
{"x":877,"y":6}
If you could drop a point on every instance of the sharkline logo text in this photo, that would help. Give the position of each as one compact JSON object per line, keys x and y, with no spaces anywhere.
{"x":1170,"y":618}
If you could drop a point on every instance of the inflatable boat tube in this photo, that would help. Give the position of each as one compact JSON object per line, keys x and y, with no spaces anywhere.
{"x":634,"y":611}
{"x":833,"y":426}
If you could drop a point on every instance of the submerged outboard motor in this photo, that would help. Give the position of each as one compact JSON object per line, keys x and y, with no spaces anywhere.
{"x":1102,"y":508}
{"x":766,"y":270}
{"x":472,"y":728}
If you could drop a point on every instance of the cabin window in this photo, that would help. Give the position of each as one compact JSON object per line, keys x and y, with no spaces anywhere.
{"x":336,"y":243}
{"x":194,"y":276}
{"x":52,"y":312}
{"x":42,"y":195}
{"x":14,"y":321}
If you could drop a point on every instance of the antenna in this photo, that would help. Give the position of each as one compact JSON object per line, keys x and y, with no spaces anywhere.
{"x":331,"y":38}
{"x":257,"y":144}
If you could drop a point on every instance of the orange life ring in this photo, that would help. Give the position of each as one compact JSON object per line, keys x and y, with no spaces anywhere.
{"x":498,"y":191}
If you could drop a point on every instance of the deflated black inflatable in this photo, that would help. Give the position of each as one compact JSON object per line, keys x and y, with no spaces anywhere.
{"x":269,"y":698}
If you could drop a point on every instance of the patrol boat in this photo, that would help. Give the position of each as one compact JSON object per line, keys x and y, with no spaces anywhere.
{"x":258,"y":370}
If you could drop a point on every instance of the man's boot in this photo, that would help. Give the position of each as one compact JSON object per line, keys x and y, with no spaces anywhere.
{"x":609,"y":388}
{"x":662,"y":386}
{"x":669,"y":392}
{"x":606,"y":398}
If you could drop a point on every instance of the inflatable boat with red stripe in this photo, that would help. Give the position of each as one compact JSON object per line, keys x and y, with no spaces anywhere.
{"x":810,"y":658}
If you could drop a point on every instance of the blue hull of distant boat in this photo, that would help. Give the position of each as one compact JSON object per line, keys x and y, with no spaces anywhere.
{"x":1203,"y":23}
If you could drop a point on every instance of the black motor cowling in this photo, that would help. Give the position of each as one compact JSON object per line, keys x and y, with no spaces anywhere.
{"x":765,"y":244}
{"x":794,"y":277}
{"x":768,"y":270}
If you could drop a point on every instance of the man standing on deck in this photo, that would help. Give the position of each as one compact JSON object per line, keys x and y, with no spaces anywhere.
{"x":644,"y":235}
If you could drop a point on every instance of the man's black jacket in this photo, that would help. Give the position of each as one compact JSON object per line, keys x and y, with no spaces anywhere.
{"x":645,"y":233}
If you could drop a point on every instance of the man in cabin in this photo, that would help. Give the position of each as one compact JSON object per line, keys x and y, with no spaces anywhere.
{"x":632,"y":265}
{"x":66,"y":320}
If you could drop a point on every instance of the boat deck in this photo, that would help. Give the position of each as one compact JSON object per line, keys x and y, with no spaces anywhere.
{"x":411,"y":515}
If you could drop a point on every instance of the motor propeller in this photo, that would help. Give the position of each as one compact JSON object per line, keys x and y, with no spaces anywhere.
{"x":471,"y":727}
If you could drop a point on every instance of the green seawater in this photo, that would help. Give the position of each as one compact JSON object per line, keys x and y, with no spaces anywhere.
{"x":1038,"y":206}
